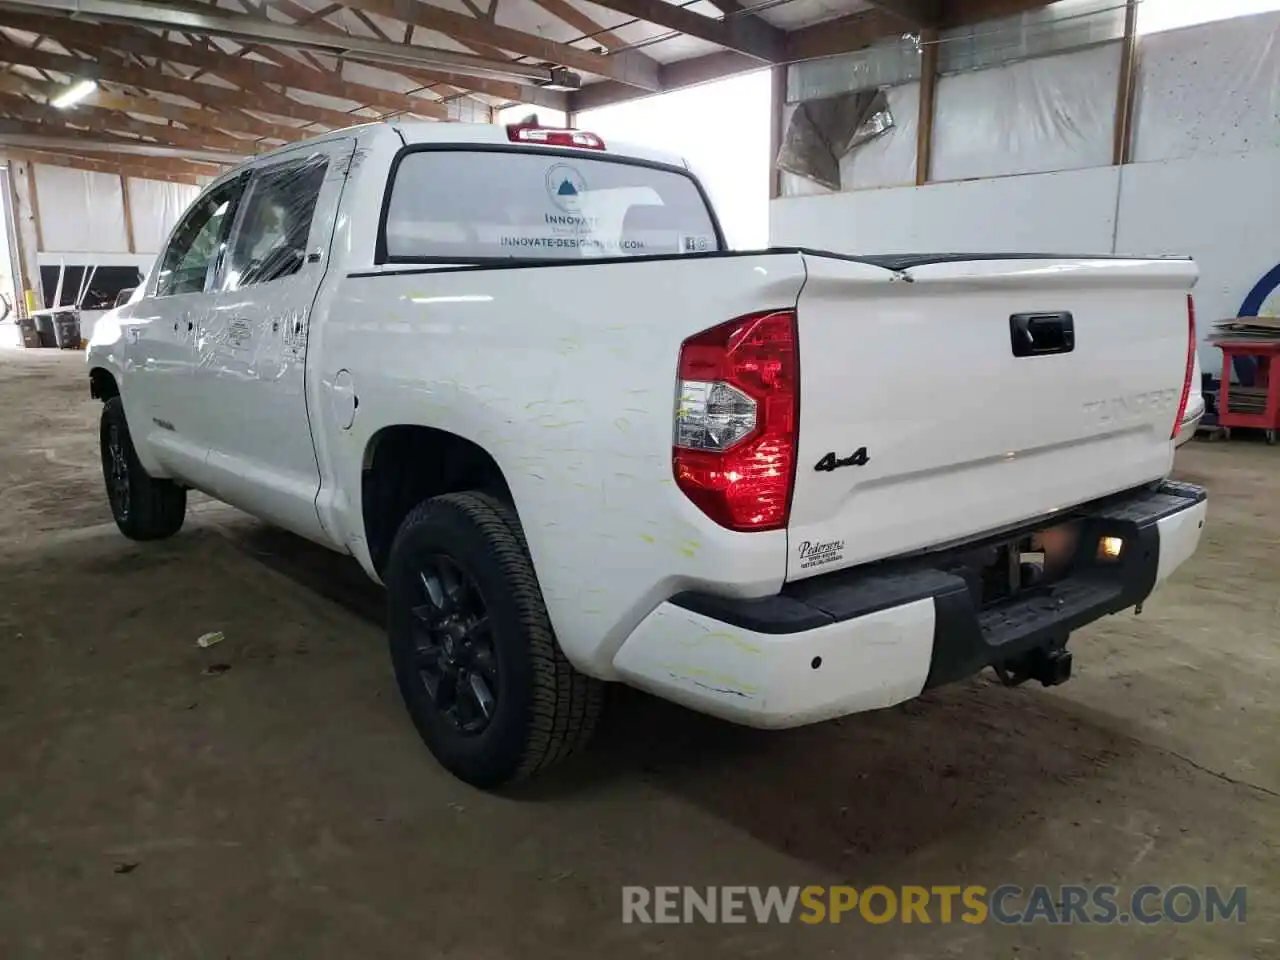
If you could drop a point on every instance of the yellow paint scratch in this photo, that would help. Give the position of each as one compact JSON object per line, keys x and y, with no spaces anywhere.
{"x":647,"y":539}
{"x":731,"y":638}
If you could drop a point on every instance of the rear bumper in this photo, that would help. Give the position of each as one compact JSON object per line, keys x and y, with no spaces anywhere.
{"x":863,"y":639}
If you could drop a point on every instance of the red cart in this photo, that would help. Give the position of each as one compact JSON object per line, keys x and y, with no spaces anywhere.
{"x":1257,"y":406}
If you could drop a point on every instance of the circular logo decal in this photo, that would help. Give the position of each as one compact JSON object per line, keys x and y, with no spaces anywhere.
{"x":565,"y":187}
{"x":1264,"y":299}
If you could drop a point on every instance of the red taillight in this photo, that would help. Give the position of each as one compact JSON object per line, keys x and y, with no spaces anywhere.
{"x":524,"y":133}
{"x":737,"y":419}
{"x":1191,"y":363}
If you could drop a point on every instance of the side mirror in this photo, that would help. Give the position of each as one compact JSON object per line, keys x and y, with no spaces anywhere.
{"x":123,"y":296}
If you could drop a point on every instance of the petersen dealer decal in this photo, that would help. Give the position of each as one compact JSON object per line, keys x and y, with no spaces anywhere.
{"x":816,"y":553}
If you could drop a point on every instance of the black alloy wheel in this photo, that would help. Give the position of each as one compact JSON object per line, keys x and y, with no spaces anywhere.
{"x":453,"y":646}
{"x":116,"y":466}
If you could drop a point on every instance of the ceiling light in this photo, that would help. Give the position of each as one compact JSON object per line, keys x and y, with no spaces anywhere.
{"x":74,"y":94}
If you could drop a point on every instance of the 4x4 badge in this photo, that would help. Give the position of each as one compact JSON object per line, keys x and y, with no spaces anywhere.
{"x":858,"y":458}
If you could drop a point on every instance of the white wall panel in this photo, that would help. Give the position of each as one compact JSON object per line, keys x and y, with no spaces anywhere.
{"x":1051,"y":113}
{"x":80,"y":210}
{"x":1068,"y":212}
{"x":887,"y":161}
{"x":1213,"y":88}
{"x":156,"y":206}
{"x":1221,"y":210}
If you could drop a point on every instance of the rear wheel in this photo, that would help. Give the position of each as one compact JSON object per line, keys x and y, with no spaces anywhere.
{"x":475,"y":658}
{"x":144,"y":508}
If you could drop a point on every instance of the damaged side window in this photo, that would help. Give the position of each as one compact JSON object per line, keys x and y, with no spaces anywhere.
{"x":270,"y":242}
{"x":197,"y":241}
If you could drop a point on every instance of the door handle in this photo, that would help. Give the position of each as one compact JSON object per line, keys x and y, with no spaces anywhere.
{"x":1041,"y":334}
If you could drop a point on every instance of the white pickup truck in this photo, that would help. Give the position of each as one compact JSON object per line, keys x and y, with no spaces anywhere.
{"x":516,"y":373}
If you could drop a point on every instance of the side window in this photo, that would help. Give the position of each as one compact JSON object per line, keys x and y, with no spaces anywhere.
{"x":197,"y":241}
{"x":271,"y":240}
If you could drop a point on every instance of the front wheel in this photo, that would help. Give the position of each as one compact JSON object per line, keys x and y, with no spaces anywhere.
{"x":475,"y":658}
{"x":144,"y":508}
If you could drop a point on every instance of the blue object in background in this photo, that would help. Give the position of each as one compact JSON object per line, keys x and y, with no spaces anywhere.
{"x":1246,"y":368}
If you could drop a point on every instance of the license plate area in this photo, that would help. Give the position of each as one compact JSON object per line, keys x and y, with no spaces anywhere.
{"x":1013,"y":569}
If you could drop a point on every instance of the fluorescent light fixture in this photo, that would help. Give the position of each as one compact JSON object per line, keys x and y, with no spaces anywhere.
{"x":74,"y":94}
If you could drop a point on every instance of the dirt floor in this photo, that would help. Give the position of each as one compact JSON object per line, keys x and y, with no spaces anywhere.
{"x":152,"y":807}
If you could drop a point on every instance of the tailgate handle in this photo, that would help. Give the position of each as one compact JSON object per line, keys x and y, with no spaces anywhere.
{"x":1041,"y":334}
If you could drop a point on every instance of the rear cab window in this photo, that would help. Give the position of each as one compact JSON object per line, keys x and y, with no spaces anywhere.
{"x":477,"y":205}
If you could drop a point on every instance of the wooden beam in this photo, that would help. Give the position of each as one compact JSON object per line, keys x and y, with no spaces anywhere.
{"x":72,"y":140}
{"x":1122,"y":143}
{"x":116,"y":70}
{"x":372,"y":25}
{"x":501,"y":89}
{"x":959,"y":13}
{"x":842,"y":35}
{"x":777,"y":103}
{"x":459,"y":26}
{"x":674,"y":76}
{"x":195,"y":118}
{"x":912,"y":13}
{"x":24,"y":274}
{"x":928,"y":99}
{"x":856,"y":31}
{"x":245,"y":73}
{"x":128,"y":213}
{"x":566,"y":12}
{"x":97,"y":165}
{"x":35,"y":208}
{"x":110,"y":122}
{"x":752,"y":36}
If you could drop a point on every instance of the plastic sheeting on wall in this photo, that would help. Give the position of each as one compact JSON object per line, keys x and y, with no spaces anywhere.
{"x":889,"y":63}
{"x":80,"y":210}
{"x":156,"y":206}
{"x":822,"y":132}
{"x":1034,"y":116}
{"x":1213,"y":88}
{"x":1054,"y":28}
{"x":888,"y":160}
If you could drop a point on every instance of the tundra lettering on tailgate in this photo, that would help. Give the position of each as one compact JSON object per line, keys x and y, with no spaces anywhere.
{"x":1132,"y":405}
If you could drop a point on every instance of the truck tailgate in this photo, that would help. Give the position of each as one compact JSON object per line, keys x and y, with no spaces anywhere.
{"x":961,"y":396}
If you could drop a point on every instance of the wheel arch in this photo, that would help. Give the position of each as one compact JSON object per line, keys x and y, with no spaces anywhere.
{"x":404,"y":464}
{"x":103,"y":384}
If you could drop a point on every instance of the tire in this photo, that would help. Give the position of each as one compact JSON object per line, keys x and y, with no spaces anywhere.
{"x":541,"y":709}
{"x":144,"y":508}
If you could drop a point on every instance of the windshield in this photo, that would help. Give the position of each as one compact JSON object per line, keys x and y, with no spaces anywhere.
{"x":471,"y":206}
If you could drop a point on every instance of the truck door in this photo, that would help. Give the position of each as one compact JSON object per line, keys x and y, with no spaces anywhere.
{"x":163,"y":328}
{"x":250,"y":359}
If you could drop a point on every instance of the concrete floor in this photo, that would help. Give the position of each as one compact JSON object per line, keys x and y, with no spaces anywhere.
{"x":286,"y":808}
